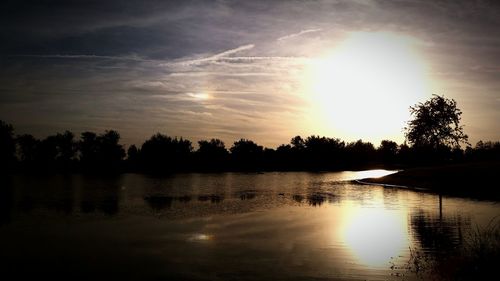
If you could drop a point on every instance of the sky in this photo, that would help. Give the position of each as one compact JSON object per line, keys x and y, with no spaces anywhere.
{"x":261,"y":70}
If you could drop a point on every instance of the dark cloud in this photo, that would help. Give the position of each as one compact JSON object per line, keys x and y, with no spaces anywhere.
{"x":147,"y":28}
{"x":55,"y":18}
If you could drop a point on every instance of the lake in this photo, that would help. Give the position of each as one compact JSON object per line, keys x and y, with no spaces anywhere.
{"x":227,"y":226}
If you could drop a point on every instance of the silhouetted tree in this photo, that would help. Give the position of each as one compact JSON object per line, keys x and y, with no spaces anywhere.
{"x":89,"y":149}
{"x":162,"y":153}
{"x":111,"y":153}
{"x":55,"y":153}
{"x":436,"y":123}
{"x":155,"y":152}
{"x":213,"y":147}
{"x":270,"y":159}
{"x":47,"y":153}
{"x":246,"y":154}
{"x":296,"y":158}
{"x":298,"y":143}
{"x":101,"y":153}
{"x":246,"y":147}
{"x":212,"y":154}
{"x":27,"y":150}
{"x":7,"y":146}
{"x":323,"y":153}
{"x":388,"y":151}
{"x":66,"y":149}
{"x":133,"y":158}
{"x":359,"y":153}
{"x":484,"y":150}
{"x":404,"y":154}
{"x":132,"y":152}
{"x":284,"y":148}
{"x":286,"y":158}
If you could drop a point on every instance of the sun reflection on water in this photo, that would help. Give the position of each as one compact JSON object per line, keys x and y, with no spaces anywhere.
{"x":375,"y":235}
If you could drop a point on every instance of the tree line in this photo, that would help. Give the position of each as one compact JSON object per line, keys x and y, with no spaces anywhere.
{"x":93,"y":152}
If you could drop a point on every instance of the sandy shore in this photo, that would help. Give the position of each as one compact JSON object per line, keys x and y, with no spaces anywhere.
{"x":476,"y":180}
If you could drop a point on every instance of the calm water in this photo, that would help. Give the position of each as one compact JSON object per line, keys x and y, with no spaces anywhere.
{"x":270,"y":226}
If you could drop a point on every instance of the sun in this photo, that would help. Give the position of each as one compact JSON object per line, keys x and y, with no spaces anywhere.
{"x":363,"y":87}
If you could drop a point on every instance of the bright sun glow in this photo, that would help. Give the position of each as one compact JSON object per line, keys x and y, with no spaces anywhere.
{"x":363,"y":88}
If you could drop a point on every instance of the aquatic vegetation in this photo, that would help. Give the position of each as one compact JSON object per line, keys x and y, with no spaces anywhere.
{"x":476,"y":259}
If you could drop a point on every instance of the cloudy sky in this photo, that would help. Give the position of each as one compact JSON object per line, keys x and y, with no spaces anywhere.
{"x":264,"y":70}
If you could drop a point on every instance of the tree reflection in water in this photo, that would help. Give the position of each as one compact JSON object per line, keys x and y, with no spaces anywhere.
{"x":444,"y":246}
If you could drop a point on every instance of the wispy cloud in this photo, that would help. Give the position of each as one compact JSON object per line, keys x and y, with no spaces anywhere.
{"x":218,"y":56}
{"x":204,"y":73}
{"x":302,"y":32}
{"x":232,"y":51}
{"x":487,"y":69}
{"x":260,"y":58}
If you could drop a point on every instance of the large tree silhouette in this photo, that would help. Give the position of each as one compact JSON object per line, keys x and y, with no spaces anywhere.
{"x":246,"y":154}
{"x":28,"y":150}
{"x":101,"y":152}
{"x":322,"y":152}
{"x":162,"y":153}
{"x":388,"y":151}
{"x":211,"y":155}
{"x":435,"y":124}
{"x":359,"y":152}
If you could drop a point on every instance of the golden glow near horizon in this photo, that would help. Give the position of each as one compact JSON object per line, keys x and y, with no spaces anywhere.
{"x":375,"y":235}
{"x":362,"y":89}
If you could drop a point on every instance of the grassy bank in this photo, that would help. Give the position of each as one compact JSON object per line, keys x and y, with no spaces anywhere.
{"x":477,"y":180}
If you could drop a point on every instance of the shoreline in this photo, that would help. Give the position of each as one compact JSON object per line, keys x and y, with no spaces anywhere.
{"x":364,"y":182}
{"x":471,"y":180}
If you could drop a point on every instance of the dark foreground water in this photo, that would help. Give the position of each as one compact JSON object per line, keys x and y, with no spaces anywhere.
{"x":270,"y":226}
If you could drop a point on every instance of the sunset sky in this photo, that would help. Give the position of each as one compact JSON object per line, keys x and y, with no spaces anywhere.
{"x":263,"y":70}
